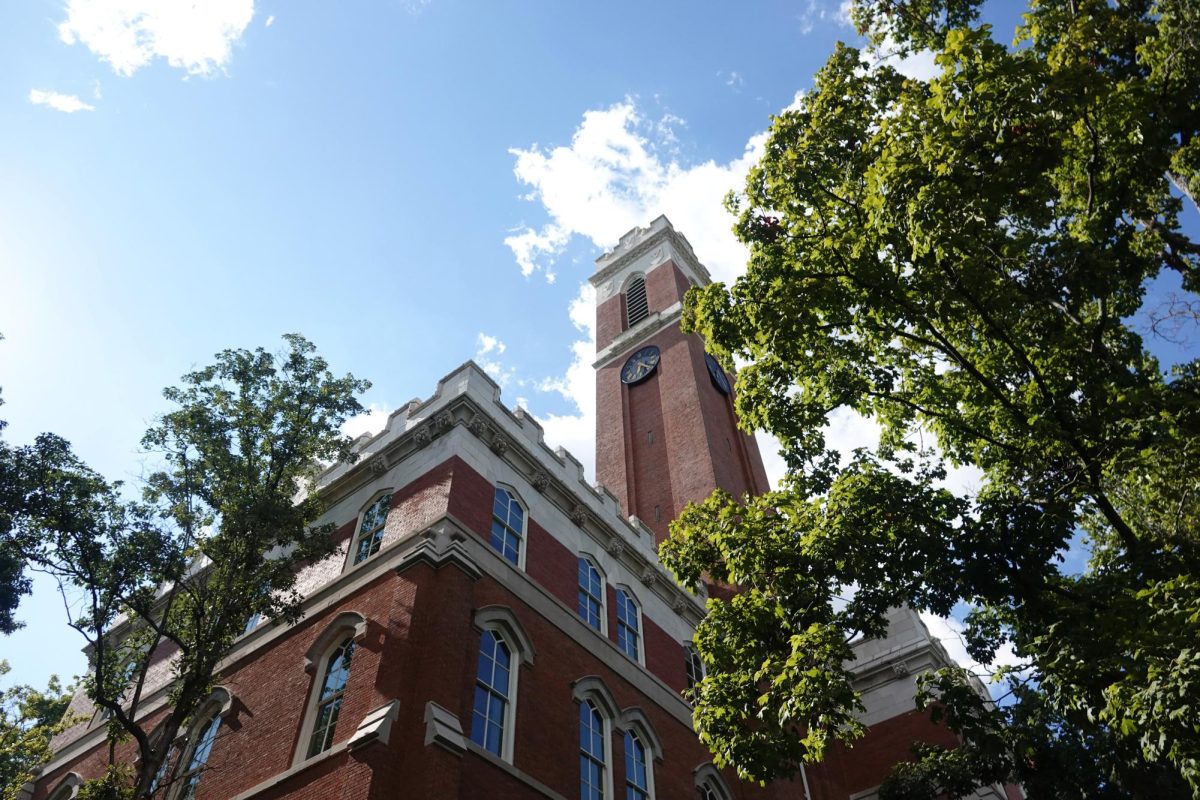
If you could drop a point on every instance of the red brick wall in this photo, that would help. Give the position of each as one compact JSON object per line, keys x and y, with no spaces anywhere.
{"x":848,"y":770}
{"x":551,"y":564}
{"x":673,"y":438}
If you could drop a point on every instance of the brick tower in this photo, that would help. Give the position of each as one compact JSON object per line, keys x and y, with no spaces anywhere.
{"x":666,"y":434}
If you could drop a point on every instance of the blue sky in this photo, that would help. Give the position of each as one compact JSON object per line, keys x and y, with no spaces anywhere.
{"x":409,"y":184}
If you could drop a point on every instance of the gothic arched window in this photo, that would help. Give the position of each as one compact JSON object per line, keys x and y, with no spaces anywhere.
{"x":591,"y":594}
{"x":371,"y":527}
{"x":331,"y":693}
{"x":508,"y":525}
{"x":629,"y":637}
{"x":490,"y":711}
{"x":638,"y":777}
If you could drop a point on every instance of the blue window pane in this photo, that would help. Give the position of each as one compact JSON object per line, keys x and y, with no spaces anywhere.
{"x":627,"y":624}
{"x":508,"y":526}
{"x":590,"y":593}
{"x":491,"y":693}
{"x":637,"y":784}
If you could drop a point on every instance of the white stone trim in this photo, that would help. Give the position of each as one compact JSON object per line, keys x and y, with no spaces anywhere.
{"x":523,"y":777}
{"x":443,"y":729}
{"x":376,"y":726}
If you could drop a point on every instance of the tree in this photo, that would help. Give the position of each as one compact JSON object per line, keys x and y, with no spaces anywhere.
{"x":28,"y":718}
{"x":965,"y":260}
{"x":219,"y":536}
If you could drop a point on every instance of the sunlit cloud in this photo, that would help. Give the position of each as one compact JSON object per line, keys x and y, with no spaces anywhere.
{"x":195,"y":37}
{"x":66,"y":103}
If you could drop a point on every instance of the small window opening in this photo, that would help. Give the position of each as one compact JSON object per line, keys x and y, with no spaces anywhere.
{"x":658,"y":514}
{"x":649,"y":437}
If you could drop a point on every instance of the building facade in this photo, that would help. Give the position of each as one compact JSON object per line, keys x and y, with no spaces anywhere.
{"x":495,"y":626}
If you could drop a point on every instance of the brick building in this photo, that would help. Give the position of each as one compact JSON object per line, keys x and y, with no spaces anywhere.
{"x":495,"y":626}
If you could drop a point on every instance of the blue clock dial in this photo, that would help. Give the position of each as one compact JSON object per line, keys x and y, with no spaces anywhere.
{"x":717,"y":374}
{"x":641,"y":365}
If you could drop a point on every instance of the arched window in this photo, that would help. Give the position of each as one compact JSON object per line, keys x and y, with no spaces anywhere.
{"x":593,"y":752}
{"x":694,"y":665}
{"x":629,"y":637}
{"x":508,"y":525}
{"x":597,"y":710}
{"x":68,"y":787}
{"x":490,"y":728}
{"x":637,"y":768}
{"x":709,"y":784}
{"x":331,"y":694}
{"x":636,"y":308}
{"x":591,"y":594}
{"x":370,"y":529}
{"x":200,"y":751}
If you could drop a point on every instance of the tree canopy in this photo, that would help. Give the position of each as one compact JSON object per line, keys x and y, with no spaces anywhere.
{"x":965,"y":260}
{"x":218,"y":537}
{"x":28,"y":719}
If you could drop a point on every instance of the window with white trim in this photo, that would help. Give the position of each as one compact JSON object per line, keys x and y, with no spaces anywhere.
{"x":709,"y":783}
{"x":198,"y":759}
{"x":332,"y":692}
{"x":636,"y":307}
{"x":369,"y":538}
{"x":508,"y":525}
{"x":629,"y":636}
{"x":637,"y":768}
{"x":593,"y":752}
{"x":493,"y":686}
{"x":591,"y":594}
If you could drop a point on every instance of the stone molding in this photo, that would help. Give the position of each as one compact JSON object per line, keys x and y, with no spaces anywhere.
{"x":375,"y":727}
{"x":443,"y":729}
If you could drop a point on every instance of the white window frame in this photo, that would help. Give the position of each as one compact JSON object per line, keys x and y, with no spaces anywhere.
{"x":357,"y":535}
{"x":592,"y":690}
{"x":603,"y":629}
{"x":522,"y":535}
{"x":503,"y":625}
{"x":348,"y":624}
{"x":606,"y":757}
{"x":67,"y":788}
{"x":641,"y":639}
{"x":708,"y":778}
{"x":633,"y":720}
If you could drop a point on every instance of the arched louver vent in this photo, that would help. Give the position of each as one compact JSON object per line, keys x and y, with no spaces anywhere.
{"x":636,"y":308}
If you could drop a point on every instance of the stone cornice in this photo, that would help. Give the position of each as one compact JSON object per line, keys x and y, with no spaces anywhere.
{"x":640,"y":241}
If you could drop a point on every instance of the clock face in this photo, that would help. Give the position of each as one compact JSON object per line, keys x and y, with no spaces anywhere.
{"x":640,"y":365}
{"x":717,"y":374}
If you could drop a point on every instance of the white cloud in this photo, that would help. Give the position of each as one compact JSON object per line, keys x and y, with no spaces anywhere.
{"x":66,"y":103}
{"x":487,"y":353}
{"x":270,"y":21}
{"x":576,"y":431}
{"x":371,"y":421}
{"x":197,"y":37}
{"x":613,"y":177}
{"x":819,"y":11}
{"x":919,"y":66}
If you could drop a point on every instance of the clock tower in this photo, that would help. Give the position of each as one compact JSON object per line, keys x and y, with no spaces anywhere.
{"x":666,"y":434}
